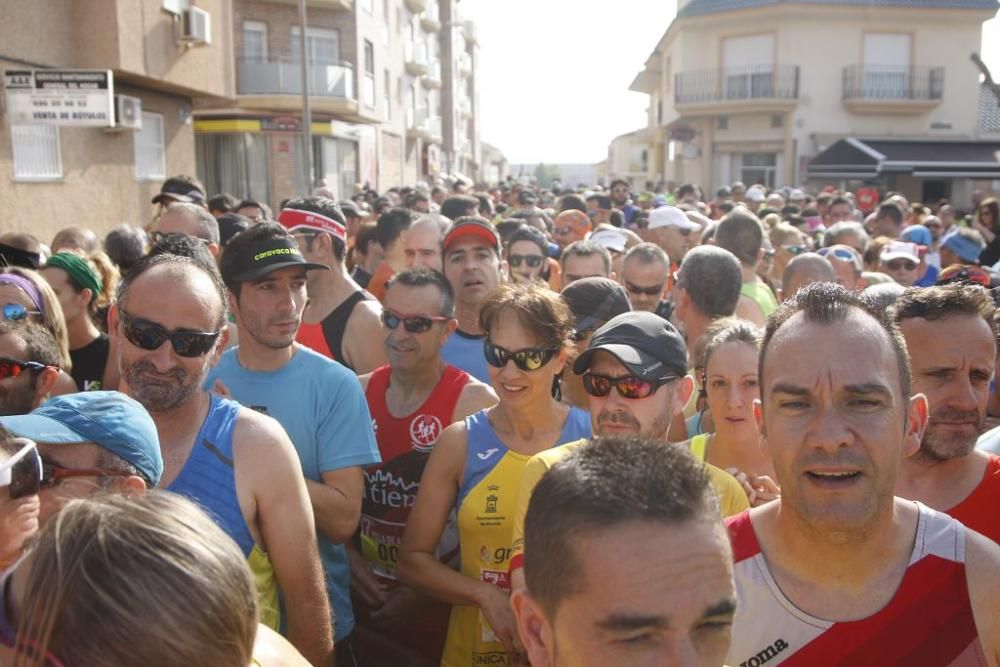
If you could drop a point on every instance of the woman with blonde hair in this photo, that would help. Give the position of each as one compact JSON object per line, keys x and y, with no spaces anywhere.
{"x":124,"y":580}
{"x":85,"y":287}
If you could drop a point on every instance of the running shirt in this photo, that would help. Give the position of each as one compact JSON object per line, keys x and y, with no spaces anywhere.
{"x":376,"y":286}
{"x":405,"y":444}
{"x":980,"y":511}
{"x":209,"y":478}
{"x":732,"y":497}
{"x":89,"y":362}
{"x":320,"y":405}
{"x":761,"y":294}
{"x":928,"y":621}
{"x":486,"y":503}
{"x":327,"y":337}
{"x":465,"y":351}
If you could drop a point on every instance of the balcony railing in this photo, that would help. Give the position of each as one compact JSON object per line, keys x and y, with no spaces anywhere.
{"x":279,"y":76}
{"x":893,"y":82}
{"x":419,"y":121}
{"x":431,"y":19}
{"x":736,"y":84}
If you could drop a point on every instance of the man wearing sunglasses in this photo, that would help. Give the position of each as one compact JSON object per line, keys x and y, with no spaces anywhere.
{"x":645,"y":271}
{"x":570,"y":226}
{"x":169,"y":327}
{"x":412,"y":400}
{"x":901,"y":261}
{"x":29,"y":366}
{"x":526,"y":254}
{"x":89,"y":442}
{"x":635,"y":375}
{"x":340,"y":320}
{"x":847,"y":264}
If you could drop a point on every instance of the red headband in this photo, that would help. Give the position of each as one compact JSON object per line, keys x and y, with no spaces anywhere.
{"x":293,"y":219}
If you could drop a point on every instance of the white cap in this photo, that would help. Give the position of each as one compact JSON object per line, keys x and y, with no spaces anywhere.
{"x":796,"y":194}
{"x":671,"y":216}
{"x":612,"y":239}
{"x":900,"y":250}
{"x":755,"y":195}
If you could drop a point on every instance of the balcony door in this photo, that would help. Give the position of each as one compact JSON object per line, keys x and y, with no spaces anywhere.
{"x":887,"y":65}
{"x":322,"y":46}
{"x":748,"y":67}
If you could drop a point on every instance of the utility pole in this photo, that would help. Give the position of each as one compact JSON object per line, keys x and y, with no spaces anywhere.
{"x":307,"y":152}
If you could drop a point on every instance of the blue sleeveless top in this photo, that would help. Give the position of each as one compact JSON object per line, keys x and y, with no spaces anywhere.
{"x":209,"y":477}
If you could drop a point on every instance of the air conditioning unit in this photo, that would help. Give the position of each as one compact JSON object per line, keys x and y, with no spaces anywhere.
{"x":128,"y":113}
{"x":196,"y":27}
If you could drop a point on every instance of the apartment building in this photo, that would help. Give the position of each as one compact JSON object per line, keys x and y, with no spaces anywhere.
{"x":52,"y":176}
{"x":790,"y":91}
{"x":382,"y":92}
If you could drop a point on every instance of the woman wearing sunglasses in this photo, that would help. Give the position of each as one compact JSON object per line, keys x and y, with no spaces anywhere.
{"x":475,"y":469}
{"x":731,"y":387}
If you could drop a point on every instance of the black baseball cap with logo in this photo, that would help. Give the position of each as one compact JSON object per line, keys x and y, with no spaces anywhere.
{"x":645,"y":343}
{"x":176,"y":189}
{"x":262,"y":258}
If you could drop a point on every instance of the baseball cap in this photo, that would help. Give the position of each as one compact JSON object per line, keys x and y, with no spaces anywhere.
{"x":231,"y":224}
{"x":917,"y":234}
{"x":264,"y":257}
{"x":659,"y":200}
{"x":612,"y":239}
{"x":178,"y":190}
{"x":671,"y":216}
{"x":594,"y":300}
{"x":967,"y":249}
{"x":109,"y":419}
{"x":648,"y":345}
{"x":900,"y":250}
{"x":472,"y":226}
{"x":349,"y":208}
{"x":755,"y":195}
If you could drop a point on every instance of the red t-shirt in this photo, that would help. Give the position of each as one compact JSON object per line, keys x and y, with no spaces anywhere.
{"x":980,"y":511}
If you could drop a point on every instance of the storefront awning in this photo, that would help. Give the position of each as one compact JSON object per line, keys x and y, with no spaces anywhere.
{"x":868,"y":159}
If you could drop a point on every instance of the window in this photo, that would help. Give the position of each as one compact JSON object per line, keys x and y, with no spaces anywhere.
{"x":322,"y":46}
{"x":759,"y":168}
{"x":36,"y":152}
{"x":150,"y":157}
{"x":254,"y":41}
{"x":722,"y":123}
{"x":387,"y":94}
{"x":749,"y":67}
{"x":777,"y":120}
{"x":368,"y":84}
{"x":887,"y":65}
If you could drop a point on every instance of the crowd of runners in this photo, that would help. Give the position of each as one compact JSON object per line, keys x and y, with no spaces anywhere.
{"x":506,"y":425}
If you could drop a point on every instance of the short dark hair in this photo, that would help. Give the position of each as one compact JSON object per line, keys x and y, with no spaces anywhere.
{"x":364,"y":237}
{"x":457,"y":206}
{"x":712,"y":277}
{"x":603,"y":201}
{"x":391,"y":225}
{"x":891,"y":211}
{"x":647,"y":253}
{"x":208,"y":226}
{"x":828,"y":303}
{"x":619,"y":181}
{"x":543,"y":313}
{"x":941,"y":301}
{"x":161,"y":259}
{"x":485,"y":204}
{"x":125,"y":245}
{"x":740,"y":233}
{"x":686,"y":189}
{"x":328,"y":209}
{"x":572,"y":202}
{"x":183,"y":245}
{"x":41,"y":343}
{"x":836,"y":201}
{"x":224,"y":202}
{"x":604,"y":484}
{"x":421,"y":277}
{"x":243,"y":244}
{"x":587,"y":249}
{"x":528,"y":233}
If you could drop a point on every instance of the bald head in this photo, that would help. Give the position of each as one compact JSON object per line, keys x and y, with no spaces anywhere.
{"x":75,"y":237}
{"x":804,"y":270}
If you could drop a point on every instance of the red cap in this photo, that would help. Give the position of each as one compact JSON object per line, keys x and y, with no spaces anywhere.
{"x":477,"y":227}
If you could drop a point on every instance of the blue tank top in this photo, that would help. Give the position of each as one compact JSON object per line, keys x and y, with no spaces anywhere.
{"x":209,"y":477}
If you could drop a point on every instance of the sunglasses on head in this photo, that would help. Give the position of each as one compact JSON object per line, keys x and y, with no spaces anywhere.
{"x":150,"y":336}
{"x":795,"y":249}
{"x":648,"y":291}
{"x":533,"y":261}
{"x":628,"y":386}
{"x":15,"y":312}
{"x":412,"y":323}
{"x":843,"y":254}
{"x":529,"y":359}
{"x":22,"y":472}
{"x":12,"y":368}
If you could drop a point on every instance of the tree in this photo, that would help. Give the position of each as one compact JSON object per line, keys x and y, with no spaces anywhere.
{"x":545,"y":174}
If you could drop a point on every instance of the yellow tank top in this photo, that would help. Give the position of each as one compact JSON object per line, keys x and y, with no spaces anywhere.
{"x":267,"y":587}
{"x":699,"y":446}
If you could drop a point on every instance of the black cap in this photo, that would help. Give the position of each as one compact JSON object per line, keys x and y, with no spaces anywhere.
{"x":349,"y":208}
{"x":595,"y":301}
{"x":231,"y":224}
{"x":648,"y":345}
{"x":265,"y":257}
{"x":179,"y":190}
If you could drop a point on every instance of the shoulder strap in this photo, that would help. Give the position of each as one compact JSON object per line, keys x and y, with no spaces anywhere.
{"x":335,"y":324}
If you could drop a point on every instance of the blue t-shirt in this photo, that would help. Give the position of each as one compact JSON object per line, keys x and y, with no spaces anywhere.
{"x":321,"y":406}
{"x":465,"y":351}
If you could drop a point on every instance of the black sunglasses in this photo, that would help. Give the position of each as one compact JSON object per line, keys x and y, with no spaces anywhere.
{"x":648,"y":291}
{"x":413,"y":324}
{"x":529,"y":359}
{"x":150,"y":336}
{"x":12,"y":368}
{"x":533,"y":261}
{"x":22,"y":472}
{"x":628,"y":386}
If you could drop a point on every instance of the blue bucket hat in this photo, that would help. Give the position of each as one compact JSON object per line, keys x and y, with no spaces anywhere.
{"x":109,"y":419}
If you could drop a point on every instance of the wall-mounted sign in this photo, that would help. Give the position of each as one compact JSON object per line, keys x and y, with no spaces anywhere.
{"x":82,"y":98}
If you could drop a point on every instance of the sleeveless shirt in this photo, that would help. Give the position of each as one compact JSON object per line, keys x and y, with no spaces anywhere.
{"x":762,"y":295}
{"x":209,"y":479}
{"x":486,"y":503}
{"x":405,"y":444}
{"x":980,"y":510}
{"x":928,"y":622}
{"x":327,"y":336}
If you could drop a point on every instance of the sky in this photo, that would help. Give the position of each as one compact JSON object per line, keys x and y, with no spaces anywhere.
{"x":553,"y":83}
